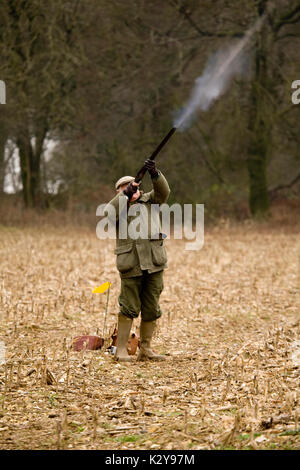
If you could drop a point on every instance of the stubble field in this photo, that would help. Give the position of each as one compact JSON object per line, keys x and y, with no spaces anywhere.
{"x":230,"y":330}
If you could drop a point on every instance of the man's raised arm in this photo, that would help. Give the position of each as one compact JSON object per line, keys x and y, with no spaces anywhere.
{"x":161,"y":190}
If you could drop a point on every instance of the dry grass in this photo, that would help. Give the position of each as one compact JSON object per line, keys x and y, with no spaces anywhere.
{"x":230,"y":325}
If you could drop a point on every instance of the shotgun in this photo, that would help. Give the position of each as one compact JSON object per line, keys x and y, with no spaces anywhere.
{"x":143,"y":170}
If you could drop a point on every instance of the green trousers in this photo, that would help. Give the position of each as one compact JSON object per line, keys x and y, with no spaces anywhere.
{"x":141,"y":294}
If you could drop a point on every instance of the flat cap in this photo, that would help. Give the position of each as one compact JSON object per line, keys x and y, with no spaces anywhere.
{"x":124,"y":180}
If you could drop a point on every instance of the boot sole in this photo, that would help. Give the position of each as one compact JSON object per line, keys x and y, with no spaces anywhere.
{"x":153,"y":359}
{"x":125,"y":359}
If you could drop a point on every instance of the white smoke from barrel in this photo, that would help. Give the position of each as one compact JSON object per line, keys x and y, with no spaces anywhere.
{"x":220,"y":69}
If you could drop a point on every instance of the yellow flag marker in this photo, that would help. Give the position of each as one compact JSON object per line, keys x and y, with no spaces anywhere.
{"x":99,"y":290}
{"x":94,"y":341}
{"x":102,"y":288}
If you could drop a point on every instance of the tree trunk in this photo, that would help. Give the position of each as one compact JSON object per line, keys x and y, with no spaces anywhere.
{"x":3,"y":139}
{"x":258,"y":192}
{"x":2,"y":161}
{"x":26,"y":157}
{"x":259,"y":127}
{"x":30,"y":159}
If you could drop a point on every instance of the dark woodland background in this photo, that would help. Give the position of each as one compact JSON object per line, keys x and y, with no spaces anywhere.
{"x":103,"y":78}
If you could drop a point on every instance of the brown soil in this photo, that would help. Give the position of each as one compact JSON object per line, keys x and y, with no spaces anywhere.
{"x":230,"y":332}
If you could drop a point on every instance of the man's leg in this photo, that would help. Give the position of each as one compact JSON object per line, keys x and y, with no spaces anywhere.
{"x":130,"y":306}
{"x":150,"y":312}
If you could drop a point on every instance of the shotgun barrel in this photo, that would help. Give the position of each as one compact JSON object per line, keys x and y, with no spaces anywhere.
{"x":143,"y":170}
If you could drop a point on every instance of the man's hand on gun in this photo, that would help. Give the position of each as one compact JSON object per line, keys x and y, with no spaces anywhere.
{"x":150,"y":165}
{"x":130,"y":189}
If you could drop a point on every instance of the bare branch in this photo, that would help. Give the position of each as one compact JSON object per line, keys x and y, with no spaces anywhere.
{"x":288,"y":35}
{"x":288,"y":18}
{"x":203,"y":157}
{"x":181,"y":10}
{"x":272,"y":192}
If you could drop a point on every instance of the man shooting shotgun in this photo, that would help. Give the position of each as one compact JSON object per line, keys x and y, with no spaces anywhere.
{"x":140,"y":262}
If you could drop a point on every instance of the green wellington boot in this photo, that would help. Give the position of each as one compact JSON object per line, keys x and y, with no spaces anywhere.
{"x":146,"y":333}
{"x":124,"y":327}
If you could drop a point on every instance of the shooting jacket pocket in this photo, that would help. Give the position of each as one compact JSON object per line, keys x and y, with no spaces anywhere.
{"x":159,"y":254}
{"x":126,"y":258}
